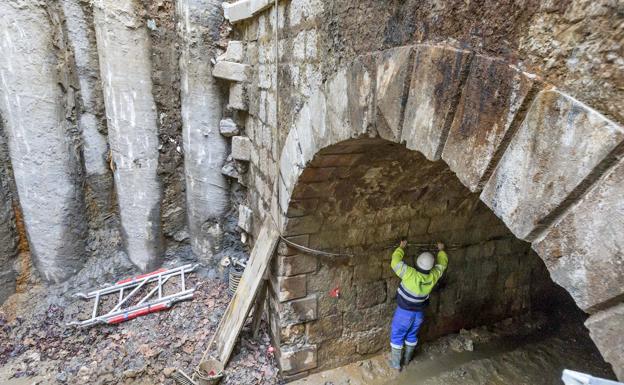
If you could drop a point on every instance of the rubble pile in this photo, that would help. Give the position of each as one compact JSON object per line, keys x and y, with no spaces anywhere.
{"x":147,"y":350}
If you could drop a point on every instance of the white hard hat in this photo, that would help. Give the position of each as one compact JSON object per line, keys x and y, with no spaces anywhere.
{"x":425,"y":261}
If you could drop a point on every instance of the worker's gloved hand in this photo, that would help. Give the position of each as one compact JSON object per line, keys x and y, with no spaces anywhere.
{"x":403,"y":244}
{"x":440,"y":246}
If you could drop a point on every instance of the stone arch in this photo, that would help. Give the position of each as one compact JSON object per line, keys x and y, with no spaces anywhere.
{"x":546,"y":164}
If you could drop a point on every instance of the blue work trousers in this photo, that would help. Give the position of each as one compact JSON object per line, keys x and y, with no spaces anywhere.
{"x":405,"y":326}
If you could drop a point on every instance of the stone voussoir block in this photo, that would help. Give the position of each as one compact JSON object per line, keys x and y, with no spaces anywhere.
{"x":492,"y":96}
{"x":231,"y":71}
{"x":435,"y":87}
{"x":393,"y":70}
{"x":583,"y":251}
{"x":560,"y":142}
{"x":361,"y":93}
{"x":241,"y":148}
{"x":605,"y":329}
{"x":295,"y":359}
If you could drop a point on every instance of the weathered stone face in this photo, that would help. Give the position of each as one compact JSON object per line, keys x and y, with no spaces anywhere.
{"x":605,"y":328}
{"x":584,"y":251}
{"x":434,"y":89}
{"x":557,"y":146}
{"x":393,"y":70}
{"x":487,"y":111}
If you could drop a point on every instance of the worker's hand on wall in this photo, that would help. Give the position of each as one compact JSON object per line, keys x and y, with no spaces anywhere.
{"x":403,"y":244}
{"x":440,"y":246}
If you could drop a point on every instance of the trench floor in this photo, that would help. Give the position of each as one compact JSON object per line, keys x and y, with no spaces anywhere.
{"x":514,"y":352}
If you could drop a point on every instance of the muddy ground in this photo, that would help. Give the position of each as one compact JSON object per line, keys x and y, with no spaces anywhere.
{"x":529,"y":350}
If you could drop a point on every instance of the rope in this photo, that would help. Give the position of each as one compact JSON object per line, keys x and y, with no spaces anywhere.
{"x":309,"y":250}
{"x":424,"y":246}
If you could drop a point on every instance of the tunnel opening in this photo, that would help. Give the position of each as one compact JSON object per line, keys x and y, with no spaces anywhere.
{"x":357,"y":199}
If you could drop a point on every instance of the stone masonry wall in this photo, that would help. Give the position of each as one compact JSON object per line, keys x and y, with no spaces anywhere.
{"x":360,"y":197}
{"x":570,"y":44}
{"x":497,"y":90}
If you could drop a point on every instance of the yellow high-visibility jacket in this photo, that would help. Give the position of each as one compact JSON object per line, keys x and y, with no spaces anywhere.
{"x":416,"y":285}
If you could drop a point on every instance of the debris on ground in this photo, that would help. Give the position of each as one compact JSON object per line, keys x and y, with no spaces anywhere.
{"x":36,"y":343}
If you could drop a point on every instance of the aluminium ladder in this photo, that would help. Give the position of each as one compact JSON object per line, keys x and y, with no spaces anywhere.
{"x":145,"y":305}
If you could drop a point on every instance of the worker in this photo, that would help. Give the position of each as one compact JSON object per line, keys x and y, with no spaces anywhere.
{"x":412,"y":299}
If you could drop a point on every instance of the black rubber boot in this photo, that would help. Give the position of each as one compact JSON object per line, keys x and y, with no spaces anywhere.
{"x":409,"y":354}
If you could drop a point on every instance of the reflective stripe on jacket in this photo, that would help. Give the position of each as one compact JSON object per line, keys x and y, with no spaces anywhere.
{"x":413,"y":292}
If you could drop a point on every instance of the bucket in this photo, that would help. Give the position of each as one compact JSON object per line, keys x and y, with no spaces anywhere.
{"x":209,"y":372}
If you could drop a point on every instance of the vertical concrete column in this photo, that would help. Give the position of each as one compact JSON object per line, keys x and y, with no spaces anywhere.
{"x":46,"y":170}
{"x":93,"y":130}
{"x":8,"y":237}
{"x":125,"y":68}
{"x":205,"y":149}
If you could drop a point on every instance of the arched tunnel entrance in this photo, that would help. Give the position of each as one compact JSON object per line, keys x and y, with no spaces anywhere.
{"x":358,"y":198}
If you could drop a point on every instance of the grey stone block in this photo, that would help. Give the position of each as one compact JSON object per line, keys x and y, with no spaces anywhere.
{"x":291,"y":287}
{"x":605,"y":328}
{"x":392,"y":72}
{"x":245,"y":218}
{"x":241,"y":148}
{"x":237,"y":97}
{"x":235,"y":52}
{"x":244,"y":9}
{"x":231,"y":71}
{"x":295,"y":359}
{"x":298,"y":310}
{"x":583,"y":252}
{"x":228,"y":128}
{"x":558,"y":145}
{"x":491,"y":98}
{"x":434,"y":88}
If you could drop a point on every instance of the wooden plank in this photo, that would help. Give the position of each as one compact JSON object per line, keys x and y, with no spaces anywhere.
{"x":234,"y":317}
{"x":259,"y":308}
